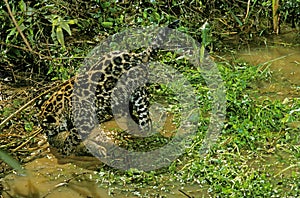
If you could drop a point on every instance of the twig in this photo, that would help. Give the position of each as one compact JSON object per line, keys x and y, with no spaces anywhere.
{"x":248,"y":8}
{"x":64,"y":183}
{"x":276,"y":59}
{"x":291,"y":166}
{"x":25,"y":49}
{"x":42,"y":56}
{"x":17,"y":26}
{"x":35,"y":134}
{"x":26,"y":105}
{"x":18,"y":111}
{"x":185,"y":194}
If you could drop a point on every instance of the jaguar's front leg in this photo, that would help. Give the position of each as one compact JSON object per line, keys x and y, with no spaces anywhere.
{"x":140,"y":108}
{"x":73,"y":144}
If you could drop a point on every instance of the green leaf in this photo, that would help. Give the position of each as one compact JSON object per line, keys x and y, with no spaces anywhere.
{"x":11,"y":33}
{"x":235,"y":17}
{"x":120,"y":19}
{"x":22,"y":6}
{"x":30,"y":11}
{"x":106,"y":5}
{"x":53,"y":32}
{"x":7,"y":111}
{"x":50,"y":69}
{"x":110,"y":19}
{"x":11,"y":162}
{"x":22,"y":27}
{"x":107,"y":24}
{"x":66,"y":27}
{"x":156,"y":16}
{"x":28,"y":126}
{"x":145,"y":14}
{"x":60,"y":36}
{"x":55,"y":20}
{"x":72,"y":21}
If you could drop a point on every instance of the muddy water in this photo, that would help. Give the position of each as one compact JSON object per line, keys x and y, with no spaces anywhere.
{"x":47,"y":178}
{"x":284,"y":64}
{"x":75,"y":176}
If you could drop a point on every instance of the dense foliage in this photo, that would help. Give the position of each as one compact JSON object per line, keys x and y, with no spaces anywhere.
{"x":60,"y":33}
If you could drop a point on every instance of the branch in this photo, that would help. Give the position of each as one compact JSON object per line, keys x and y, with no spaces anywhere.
{"x":185,"y":193}
{"x":17,"y":26}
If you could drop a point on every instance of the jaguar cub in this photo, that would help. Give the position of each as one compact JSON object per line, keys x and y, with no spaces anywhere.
{"x":99,"y":85}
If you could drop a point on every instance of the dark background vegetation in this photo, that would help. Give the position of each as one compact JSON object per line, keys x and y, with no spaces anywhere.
{"x":61,"y":33}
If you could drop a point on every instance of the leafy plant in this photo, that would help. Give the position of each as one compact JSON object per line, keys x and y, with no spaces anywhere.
{"x":11,"y":162}
{"x":58,"y":25}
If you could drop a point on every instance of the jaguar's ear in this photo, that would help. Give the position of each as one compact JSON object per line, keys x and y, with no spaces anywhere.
{"x":174,"y":24}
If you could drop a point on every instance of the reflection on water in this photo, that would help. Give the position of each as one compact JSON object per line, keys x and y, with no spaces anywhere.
{"x":50,"y":179}
{"x":47,"y":178}
{"x":73,"y":176}
{"x":284,"y":63}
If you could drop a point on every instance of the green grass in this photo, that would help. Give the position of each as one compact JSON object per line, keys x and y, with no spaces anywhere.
{"x":257,"y":153}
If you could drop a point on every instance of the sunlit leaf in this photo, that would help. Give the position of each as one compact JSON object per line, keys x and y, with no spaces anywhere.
{"x":60,"y":36}
{"x":50,"y":69}
{"x":66,"y":27}
{"x":22,"y":5}
{"x":107,"y":24}
{"x":72,"y":21}
{"x":12,"y":32}
{"x":55,"y":21}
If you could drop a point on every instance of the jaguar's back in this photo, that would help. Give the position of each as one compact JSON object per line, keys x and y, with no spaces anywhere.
{"x":57,"y":113}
